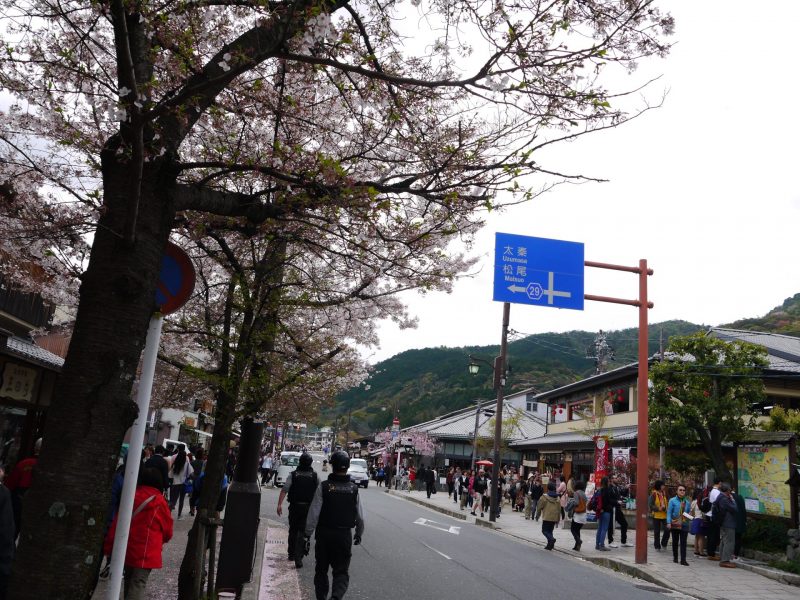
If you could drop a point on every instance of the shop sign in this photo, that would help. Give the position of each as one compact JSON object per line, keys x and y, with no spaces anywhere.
{"x":17,"y":382}
{"x":530,"y":463}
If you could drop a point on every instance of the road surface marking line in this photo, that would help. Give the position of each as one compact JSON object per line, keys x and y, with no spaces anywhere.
{"x":437,"y":552}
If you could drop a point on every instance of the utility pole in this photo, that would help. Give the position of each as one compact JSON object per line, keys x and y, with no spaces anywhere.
{"x":500,"y":381}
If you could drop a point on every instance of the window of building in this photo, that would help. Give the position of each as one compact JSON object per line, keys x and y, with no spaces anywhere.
{"x":578,"y":410}
{"x":616,"y":400}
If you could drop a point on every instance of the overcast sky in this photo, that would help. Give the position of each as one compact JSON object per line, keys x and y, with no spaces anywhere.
{"x":705,"y":188}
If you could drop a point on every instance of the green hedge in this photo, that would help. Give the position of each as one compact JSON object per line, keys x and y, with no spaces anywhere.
{"x":766,"y":535}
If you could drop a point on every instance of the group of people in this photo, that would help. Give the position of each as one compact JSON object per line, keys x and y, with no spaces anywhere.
{"x":715,"y":515}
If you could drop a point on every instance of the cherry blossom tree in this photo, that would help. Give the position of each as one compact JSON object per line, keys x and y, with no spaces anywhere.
{"x":125,"y":115}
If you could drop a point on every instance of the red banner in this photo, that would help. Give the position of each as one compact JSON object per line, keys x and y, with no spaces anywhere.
{"x":601,"y":466}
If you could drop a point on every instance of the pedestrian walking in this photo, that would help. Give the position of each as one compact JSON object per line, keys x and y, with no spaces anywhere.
{"x":266,"y":468}
{"x":657,"y":505}
{"x":334,"y":512}
{"x":463,"y":489}
{"x":457,"y":474}
{"x":412,"y":478}
{"x":380,"y":474}
{"x":678,"y":518}
{"x":19,"y":481}
{"x":387,"y":474}
{"x":601,"y":504}
{"x":549,"y":508}
{"x":300,"y":487}
{"x":179,"y":472}
{"x":712,"y":532}
{"x":479,"y":487}
{"x":430,"y":481}
{"x":576,"y":510}
{"x":697,"y":527}
{"x":724,"y":515}
{"x":537,"y":491}
{"x":150,"y":529}
{"x":528,"y":497}
{"x":449,"y":481}
{"x":618,"y":494}
{"x":198,"y":463}
{"x":561,"y":490}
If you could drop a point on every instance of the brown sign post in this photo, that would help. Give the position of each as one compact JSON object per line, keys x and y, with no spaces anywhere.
{"x":642,"y":438}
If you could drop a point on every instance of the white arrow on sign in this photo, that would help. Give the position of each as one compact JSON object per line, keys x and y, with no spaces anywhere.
{"x":440,"y":526}
{"x":515,"y":288}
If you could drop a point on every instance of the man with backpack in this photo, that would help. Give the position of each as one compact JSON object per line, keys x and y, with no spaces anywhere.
{"x":713,"y":528}
{"x":300,"y":486}
{"x":618,"y":494}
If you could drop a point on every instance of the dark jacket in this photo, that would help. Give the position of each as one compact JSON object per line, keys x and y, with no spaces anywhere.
{"x":741,"y":513}
{"x":729,"y":511}
{"x":6,"y":531}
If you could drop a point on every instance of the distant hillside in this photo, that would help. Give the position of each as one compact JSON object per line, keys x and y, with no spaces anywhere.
{"x":426,"y":383}
{"x":783,"y":319}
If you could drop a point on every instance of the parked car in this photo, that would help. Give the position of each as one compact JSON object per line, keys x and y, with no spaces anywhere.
{"x":289,"y":462}
{"x":358,"y":471}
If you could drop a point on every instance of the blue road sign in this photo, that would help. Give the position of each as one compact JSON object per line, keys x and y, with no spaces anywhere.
{"x":538,"y":271}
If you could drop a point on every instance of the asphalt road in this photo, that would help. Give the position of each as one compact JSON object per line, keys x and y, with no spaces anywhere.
{"x":409,"y":551}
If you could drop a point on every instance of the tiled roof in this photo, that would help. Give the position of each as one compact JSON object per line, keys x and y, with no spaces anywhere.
{"x":27,"y":350}
{"x":783,"y":350}
{"x":573,"y":437}
{"x":461,"y":425}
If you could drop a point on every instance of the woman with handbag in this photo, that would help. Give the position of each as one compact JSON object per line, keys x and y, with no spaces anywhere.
{"x":678,"y":523}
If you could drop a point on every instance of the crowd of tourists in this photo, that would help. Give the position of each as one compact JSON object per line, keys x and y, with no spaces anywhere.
{"x":714,"y":515}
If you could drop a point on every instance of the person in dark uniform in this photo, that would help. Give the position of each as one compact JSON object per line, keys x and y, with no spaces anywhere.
{"x":334,"y":511}
{"x":300,"y":486}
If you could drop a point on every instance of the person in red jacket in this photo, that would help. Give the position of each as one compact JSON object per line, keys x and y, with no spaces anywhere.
{"x":19,"y":481}
{"x":151,"y":528}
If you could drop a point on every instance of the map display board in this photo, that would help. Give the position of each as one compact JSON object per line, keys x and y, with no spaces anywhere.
{"x":762,"y":472}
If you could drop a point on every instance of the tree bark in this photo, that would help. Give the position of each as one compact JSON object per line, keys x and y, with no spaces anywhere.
{"x":712,"y":441}
{"x":92,"y":408}
{"x":192,"y":564}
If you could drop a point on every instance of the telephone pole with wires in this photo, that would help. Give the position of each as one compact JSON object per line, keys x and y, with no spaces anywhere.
{"x":601,"y":352}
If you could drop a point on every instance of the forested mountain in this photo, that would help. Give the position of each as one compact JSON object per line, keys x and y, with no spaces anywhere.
{"x":784,"y":319}
{"x":426,"y":383}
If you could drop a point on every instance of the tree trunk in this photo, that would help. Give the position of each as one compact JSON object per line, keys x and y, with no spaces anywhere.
{"x":713,"y":444}
{"x":65,"y":511}
{"x":192,"y":564}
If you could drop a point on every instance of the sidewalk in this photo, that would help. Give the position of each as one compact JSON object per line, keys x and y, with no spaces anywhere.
{"x":703,"y":578}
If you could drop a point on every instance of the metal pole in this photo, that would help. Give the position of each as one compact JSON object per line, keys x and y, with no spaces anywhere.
{"x":134,"y":457}
{"x":397,"y":470}
{"x":500,"y":369}
{"x":642,"y":441}
{"x":475,"y":437}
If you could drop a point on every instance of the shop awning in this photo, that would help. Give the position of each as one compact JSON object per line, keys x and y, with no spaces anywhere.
{"x":203,"y":433}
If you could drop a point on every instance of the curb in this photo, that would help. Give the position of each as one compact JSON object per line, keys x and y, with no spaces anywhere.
{"x":770,"y":573}
{"x":251,"y":588}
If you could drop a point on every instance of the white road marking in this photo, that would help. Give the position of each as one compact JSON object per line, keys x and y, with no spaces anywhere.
{"x":437,"y":552}
{"x":440,"y":526}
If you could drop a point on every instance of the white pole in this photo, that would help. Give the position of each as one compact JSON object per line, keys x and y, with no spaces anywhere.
{"x":134,"y":457}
